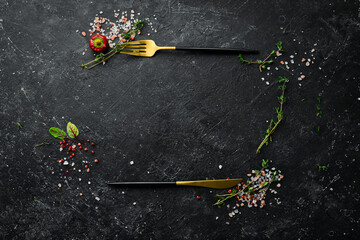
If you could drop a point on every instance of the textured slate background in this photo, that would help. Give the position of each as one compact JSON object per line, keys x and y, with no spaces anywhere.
{"x":178,"y":116}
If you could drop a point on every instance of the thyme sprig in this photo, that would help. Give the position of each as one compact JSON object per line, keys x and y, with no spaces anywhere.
{"x":267,"y":60}
{"x":19,"y":125}
{"x":254,"y":188}
{"x":318,"y":108}
{"x":321,"y":168}
{"x":103,"y":57}
{"x":41,"y":144}
{"x":280,"y":115}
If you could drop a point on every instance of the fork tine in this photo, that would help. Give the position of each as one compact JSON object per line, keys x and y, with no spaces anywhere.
{"x":134,"y":43}
{"x":134,"y":53}
{"x":130,"y":43}
{"x":130,"y":47}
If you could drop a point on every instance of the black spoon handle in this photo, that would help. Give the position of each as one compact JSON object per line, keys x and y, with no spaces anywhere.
{"x":218,"y":49}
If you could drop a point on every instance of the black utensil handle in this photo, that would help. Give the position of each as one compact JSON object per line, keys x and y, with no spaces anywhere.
{"x":141,"y":183}
{"x":217,"y":49}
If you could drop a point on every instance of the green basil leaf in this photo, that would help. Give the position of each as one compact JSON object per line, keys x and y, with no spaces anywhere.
{"x":57,"y":133}
{"x":72,"y":130}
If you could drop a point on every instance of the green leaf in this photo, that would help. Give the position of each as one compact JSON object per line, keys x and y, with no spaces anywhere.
{"x":265,"y":163}
{"x":72,"y":130}
{"x":57,"y":133}
{"x":258,"y":61}
{"x":263,"y":66}
{"x":265,"y":184}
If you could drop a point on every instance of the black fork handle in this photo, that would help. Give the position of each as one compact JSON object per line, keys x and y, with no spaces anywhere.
{"x":249,"y":51}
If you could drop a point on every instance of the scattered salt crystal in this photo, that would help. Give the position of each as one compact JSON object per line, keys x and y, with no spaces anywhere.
{"x":89,"y":182}
{"x":307,"y":64}
{"x":291,"y":56}
{"x":278,"y":185}
{"x":292,"y":61}
{"x":230,"y":215}
{"x":313,"y":50}
{"x":216,"y":218}
{"x":79,"y":179}
{"x":220,"y":166}
{"x":59,"y":185}
{"x":97,"y":198}
{"x":134,"y":203}
{"x":267,"y":83}
{"x":80,"y":194}
{"x":263,"y":79}
{"x":101,"y":12}
{"x":131,"y":162}
{"x":66,"y":163}
{"x":61,"y":149}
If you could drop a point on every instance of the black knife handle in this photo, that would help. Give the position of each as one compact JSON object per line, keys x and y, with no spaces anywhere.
{"x":129,"y":184}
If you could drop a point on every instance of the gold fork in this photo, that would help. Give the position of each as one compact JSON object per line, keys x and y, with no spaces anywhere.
{"x":148,"y":48}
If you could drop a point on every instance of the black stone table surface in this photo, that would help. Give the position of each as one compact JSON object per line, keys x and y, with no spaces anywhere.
{"x":178,"y":116}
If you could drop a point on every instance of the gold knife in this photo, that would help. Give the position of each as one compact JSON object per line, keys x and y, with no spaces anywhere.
{"x":216,"y":184}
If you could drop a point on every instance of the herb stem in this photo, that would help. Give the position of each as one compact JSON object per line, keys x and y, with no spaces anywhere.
{"x":42,"y":144}
{"x":79,"y":140}
{"x":279,"y":111}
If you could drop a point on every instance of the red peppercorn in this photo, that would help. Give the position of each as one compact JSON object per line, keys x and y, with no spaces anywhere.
{"x":86,"y":166}
{"x":92,"y":151}
{"x":80,"y":147}
{"x":73,"y":154}
{"x":79,"y":144}
{"x":230,"y":191}
{"x":92,"y":144}
{"x":62,"y":159}
{"x":57,"y":160}
{"x":88,"y":140}
{"x":69,"y":149}
{"x":67,"y":171}
{"x":198,"y":197}
{"x":96,"y":160}
{"x":67,"y":144}
{"x":74,"y":149}
{"x":63,"y":141}
{"x":60,"y":142}
{"x":62,"y":146}
{"x":70,"y":157}
{"x":85,"y":149}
